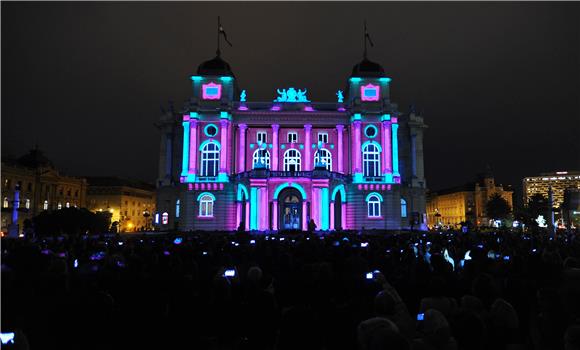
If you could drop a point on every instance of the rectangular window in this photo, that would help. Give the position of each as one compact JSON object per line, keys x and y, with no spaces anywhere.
{"x":262,"y":137}
{"x":292,"y":137}
{"x":323,"y":137}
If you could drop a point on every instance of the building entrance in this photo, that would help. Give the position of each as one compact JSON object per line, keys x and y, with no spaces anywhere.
{"x":290,"y":209}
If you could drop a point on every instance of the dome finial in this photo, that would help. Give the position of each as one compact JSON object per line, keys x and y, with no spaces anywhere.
{"x":221,"y":31}
{"x":367,"y":37}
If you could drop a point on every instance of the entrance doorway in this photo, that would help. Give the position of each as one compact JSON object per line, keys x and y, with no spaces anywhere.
{"x":290,"y":202}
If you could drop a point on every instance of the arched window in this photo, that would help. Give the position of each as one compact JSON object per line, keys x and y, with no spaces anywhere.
{"x":59,"y":206}
{"x":177,"y":205}
{"x":374,"y":205}
{"x":27,"y":205}
{"x":5,"y":204}
{"x":261,"y":156}
{"x":67,"y":204}
{"x":323,"y":156}
{"x":403,"y":208}
{"x":210,"y":159}
{"x":371,"y":160}
{"x":206,"y":201}
{"x":292,"y":160}
{"x":45,"y":205}
{"x":165,"y":218}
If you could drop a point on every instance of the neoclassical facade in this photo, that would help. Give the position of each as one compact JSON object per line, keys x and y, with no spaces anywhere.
{"x":226,"y":162}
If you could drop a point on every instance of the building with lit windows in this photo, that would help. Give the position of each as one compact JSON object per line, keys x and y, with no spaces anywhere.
{"x":454,"y":206}
{"x":559,"y":181}
{"x":131,"y":203}
{"x":227,"y":162}
{"x":41,"y":187}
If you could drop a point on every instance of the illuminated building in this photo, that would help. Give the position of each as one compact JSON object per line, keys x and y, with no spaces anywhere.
{"x":131,"y":203}
{"x":42,"y":187}
{"x":226,"y":162}
{"x":451,"y":207}
{"x":559,"y":181}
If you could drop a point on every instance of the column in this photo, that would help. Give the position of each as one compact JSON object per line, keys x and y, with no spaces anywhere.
{"x":315,"y":207}
{"x":185,"y":155}
{"x":304,"y":216}
{"x":275,"y":215}
{"x":274,"y":160}
{"x":238,"y":214}
{"x":414,"y":155}
{"x":356,"y":147}
{"x":263,"y":209}
{"x":340,"y":129}
{"x":247,"y":220}
{"x":253,"y":208}
{"x":242,"y":148}
{"x":332,"y":215}
{"x":387,"y":151}
{"x":224,"y":146}
{"x":193,"y":146}
{"x":343,"y":215}
{"x":395,"y":146}
{"x":324,"y":208}
{"x":307,"y":147}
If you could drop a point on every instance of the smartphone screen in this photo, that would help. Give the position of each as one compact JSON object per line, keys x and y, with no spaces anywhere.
{"x":369,"y":276}
{"x":230,"y":273}
{"x":420,"y":317}
{"x":7,"y":338}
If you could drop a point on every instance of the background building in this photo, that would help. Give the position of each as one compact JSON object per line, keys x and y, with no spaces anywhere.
{"x":465,"y":203}
{"x":225,"y":162}
{"x":559,"y":181}
{"x":131,"y":203}
{"x":42,"y":187}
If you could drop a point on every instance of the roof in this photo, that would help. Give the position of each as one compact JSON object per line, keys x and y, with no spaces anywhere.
{"x":35,"y":159}
{"x":368,"y":69}
{"x":215,"y":66}
{"x":118,"y":182}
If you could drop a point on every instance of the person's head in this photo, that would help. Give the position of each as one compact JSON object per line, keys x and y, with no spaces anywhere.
{"x":572,"y":338}
{"x":503,"y":315}
{"x":254,"y":274}
{"x":373,"y":332}
{"x":435,"y":328}
{"x":472,"y":303}
{"x":384,"y":304}
{"x":468,"y":329}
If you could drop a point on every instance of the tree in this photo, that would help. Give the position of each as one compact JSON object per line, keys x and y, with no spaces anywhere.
{"x":72,"y":221}
{"x":497,"y":207}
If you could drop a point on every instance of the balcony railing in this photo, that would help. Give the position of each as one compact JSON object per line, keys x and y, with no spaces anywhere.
{"x":265,"y":173}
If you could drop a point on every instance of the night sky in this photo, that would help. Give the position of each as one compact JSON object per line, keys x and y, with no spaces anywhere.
{"x":498,"y":83}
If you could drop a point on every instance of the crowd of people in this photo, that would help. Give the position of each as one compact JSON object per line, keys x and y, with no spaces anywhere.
{"x":343,"y":290}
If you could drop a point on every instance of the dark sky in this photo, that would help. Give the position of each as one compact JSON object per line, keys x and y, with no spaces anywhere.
{"x":498,"y":83}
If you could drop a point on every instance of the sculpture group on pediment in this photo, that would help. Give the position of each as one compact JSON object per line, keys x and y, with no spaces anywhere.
{"x":291,"y":95}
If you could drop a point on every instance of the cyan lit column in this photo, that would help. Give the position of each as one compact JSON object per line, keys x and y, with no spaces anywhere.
{"x":242,"y":148}
{"x":193,"y":146}
{"x":275,"y":215}
{"x":224,"y":146}
{"x":185,"y":159}
{"x":307,"y":147}
{"x":304,"y":216}
{"x":356,"y":147}
{"x":331,"y":216}
{"x":324,"y":208}
{"x":253,"y":208}
{"x":387,"y":151}
{"x":274,"y":163}
{"x":340,"y":130}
